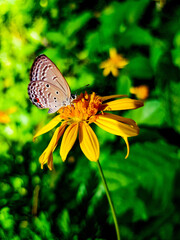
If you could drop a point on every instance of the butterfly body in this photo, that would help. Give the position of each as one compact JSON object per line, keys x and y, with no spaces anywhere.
{"x":48,"y":88}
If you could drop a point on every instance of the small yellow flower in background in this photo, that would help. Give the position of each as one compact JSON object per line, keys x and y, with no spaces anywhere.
{"x":4,"y":115}
{"x":141,"y":92}
{"x":115,"y":62}
{"x":160,"y":4}
{"x":74,"y":119}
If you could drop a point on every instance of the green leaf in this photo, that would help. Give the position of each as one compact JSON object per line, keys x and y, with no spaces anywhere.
{"x":123,"y":84}
{"x":176,"y":56}
{"x":150,"y":167}
{"x":172,"y":101}
{"x":157,"y":49}
{"x":43,"y":226}
{"x":135,"y":35}
{"x":76,"y":23}
{"x":151,"y":114}
{"x":64,"y":222}
{"x":176,"y":40}
{"x":6,"y":219}
{"x":139,"y":67}
{"x":93,"y":44}
{"x":117,"y":12}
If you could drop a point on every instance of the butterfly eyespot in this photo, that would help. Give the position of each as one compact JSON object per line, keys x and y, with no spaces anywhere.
{"x":36,"y":100}
{"x":54,"y":98}
{"x":47,"y":85}
{"x":57,"y":92}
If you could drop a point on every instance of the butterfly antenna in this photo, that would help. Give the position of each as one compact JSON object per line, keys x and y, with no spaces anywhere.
{"x":81,"y":89}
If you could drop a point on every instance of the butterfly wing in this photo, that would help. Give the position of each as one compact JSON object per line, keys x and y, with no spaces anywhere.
{"x":46,"y":95}
{"x":48,"y":88}
{"x":43,"y":69}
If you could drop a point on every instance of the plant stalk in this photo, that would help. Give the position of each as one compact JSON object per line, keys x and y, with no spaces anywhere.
{"x":109,"y":200}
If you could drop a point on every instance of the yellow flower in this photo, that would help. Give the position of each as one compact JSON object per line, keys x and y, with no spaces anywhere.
{"x":74,"y":119}
{"x":4,"y":115}
{"x":112,"y":64}
{"x":160,"y":4}
{"x":141,"y":92}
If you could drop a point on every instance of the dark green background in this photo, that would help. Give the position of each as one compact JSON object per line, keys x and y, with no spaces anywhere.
{"x":77,"y":36}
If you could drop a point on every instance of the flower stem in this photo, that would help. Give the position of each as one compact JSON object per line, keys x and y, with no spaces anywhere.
{"x":109,"y":200}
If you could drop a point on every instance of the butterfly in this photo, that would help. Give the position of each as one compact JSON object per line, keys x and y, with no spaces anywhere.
{"x":48,"y":88}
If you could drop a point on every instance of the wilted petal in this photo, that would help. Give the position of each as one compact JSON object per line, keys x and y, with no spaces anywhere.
{"x":88,"y":142}
{"x":115,"y":127}
{"x":50,"y":161}
{"x":46,"y":156}
{"x":68,"y":140}
{"x":48,"y":126}
{"x":122,"y":104}
{"x":127,"y":144}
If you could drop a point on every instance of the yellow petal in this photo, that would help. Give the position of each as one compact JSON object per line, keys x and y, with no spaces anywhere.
{"x":68,"y":140}
{"x":120,"y":119}
{"x":54,"y":141}
{"x":122,"y":63}
{"x":104,"y":64}
{"x":105,"y":98}
{"x":113,"y":53}
{"x":48,"y":126}
{"x":114,"y":71}
{"x":106,"y":71}
{"x":115,"y":127}
{"x":46,"y":156}
{"x":141,"y":92}
{"x":88,"y":142}
{"x":122,"y":104}
{"x":4,"y":118}
{"x":42,"y":160}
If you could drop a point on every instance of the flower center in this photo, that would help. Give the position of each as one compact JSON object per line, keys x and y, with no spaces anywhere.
{"x":84,"y":108}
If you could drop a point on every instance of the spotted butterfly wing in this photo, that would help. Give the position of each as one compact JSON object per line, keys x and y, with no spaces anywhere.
{"x":48,"y":88}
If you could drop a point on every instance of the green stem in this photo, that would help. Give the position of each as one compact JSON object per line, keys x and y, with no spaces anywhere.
{"x":109,"y":200}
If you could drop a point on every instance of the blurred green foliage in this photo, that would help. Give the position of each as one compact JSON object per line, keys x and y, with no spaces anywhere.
{"x":70,"y":201}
